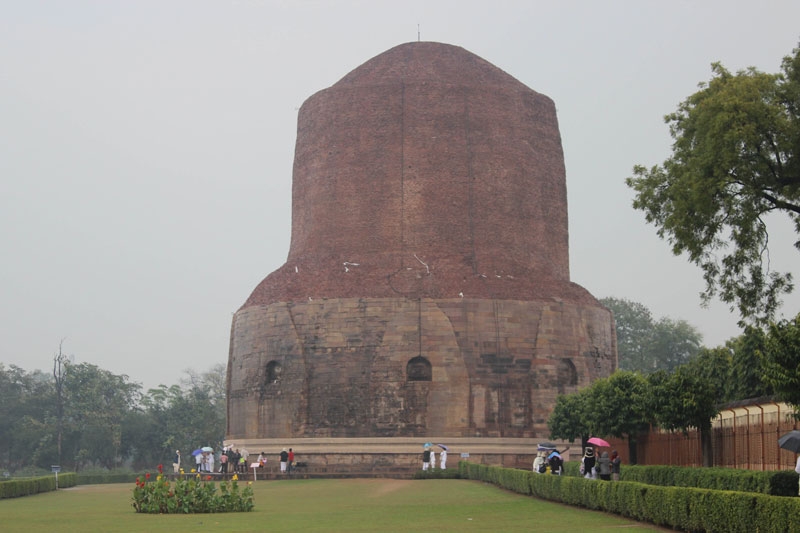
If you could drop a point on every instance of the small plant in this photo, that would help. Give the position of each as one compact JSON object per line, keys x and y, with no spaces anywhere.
{"x":197,"y":495}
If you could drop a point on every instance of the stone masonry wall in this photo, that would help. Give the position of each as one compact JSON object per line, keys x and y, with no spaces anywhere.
{"x":345,"y":367}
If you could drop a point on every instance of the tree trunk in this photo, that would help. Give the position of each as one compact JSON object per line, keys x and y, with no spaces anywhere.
{"x":706,"y":447}
{"x":633,"y":456}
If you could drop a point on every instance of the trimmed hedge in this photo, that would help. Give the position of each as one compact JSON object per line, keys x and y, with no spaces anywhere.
{"x":100,"y":478}
{"x":680,"y":508}
{"x":25,"y":487}
{"x":775,"y":483}
{"x":450,"y":473}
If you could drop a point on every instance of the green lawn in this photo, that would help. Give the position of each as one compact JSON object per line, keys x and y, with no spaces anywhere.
{"x":318,"y":505}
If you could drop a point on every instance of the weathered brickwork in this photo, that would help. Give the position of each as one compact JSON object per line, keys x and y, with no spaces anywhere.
{"x":426,"y":291}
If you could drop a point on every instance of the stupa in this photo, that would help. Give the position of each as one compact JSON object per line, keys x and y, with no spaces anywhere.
{"x":426,"y":296}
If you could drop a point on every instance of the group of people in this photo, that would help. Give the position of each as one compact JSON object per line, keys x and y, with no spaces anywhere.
{"x":604,"y":467}
{"x":429,"y":458}
{"x":548,"y":459}
{"x":287,"y":461}
{"x":230,"y":460}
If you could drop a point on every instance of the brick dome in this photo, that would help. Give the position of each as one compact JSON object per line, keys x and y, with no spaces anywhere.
{"x":427,"y":172}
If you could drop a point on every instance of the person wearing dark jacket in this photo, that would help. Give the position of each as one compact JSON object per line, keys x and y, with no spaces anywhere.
{"x":284,"y":460}
{"x":588,"y":463}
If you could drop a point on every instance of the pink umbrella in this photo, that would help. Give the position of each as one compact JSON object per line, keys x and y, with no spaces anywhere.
{"x":597,"y":441}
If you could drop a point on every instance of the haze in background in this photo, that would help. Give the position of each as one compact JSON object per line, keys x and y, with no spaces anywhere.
{"x":146,"y":151}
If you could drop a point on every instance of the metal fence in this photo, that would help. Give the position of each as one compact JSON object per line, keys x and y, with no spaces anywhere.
{"x":743,"y":436}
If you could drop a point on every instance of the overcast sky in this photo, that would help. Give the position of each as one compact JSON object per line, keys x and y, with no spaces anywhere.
{"x":146,"y":151}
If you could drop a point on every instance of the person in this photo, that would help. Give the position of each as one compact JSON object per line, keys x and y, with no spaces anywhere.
{"x":233,"y":460}
{"x":433,"y":459}
{"x":587,"y":464}
{"x":223,"y":462}
{"x":556,"y":463}
{"x":176,"y":462}
{"x":540,"y":463}
{"x":797,"y":469}
{"x":426,"y":459}
{"x":198,"y":460}
{"x":291,"y":461}
{"x":210,"y":462}
{"x":284,"y":458}
{"x":443,"y":459}
{"x":604,"y":466}
{"x":616,"y":460}
{"x":245,"y":456}
{"x":262,"y":460}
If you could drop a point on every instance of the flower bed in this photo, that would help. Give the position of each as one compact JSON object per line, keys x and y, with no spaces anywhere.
{"x":194,"y":495}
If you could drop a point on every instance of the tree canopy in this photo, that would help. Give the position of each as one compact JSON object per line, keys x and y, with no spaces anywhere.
{"x":734,"y":161}
{"x":781,"y":361}
{"x":645,"y":344}
{"x":102,"y":419}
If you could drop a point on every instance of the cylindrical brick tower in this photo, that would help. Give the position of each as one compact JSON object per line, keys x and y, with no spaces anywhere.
{"x":426,"y":294}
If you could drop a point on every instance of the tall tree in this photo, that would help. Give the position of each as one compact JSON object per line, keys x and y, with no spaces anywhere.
{"x":97,"y":402}
{"x":647,"y":345}
{"x":735,"y":159}
{"x":59,"y":376}
{"x":688,"y":398}
{"x":747,"y":372}
{"x":781,"y":360}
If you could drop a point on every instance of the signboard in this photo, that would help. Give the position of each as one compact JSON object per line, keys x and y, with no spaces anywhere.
{"x":464,"y":455}
{"x":55,"y":469}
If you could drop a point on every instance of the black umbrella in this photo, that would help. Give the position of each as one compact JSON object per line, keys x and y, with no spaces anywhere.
{"x":790,"y":441}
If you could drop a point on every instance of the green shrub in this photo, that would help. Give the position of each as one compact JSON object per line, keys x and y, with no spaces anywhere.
{"x":15,"y":488}
{"x":676,"y":507}
{"x":437,"y":473}
{"x":193,"y":495}
{"x":100,"y":478}
{"x":776,"y":483}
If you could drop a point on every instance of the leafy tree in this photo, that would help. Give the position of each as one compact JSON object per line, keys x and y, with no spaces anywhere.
{"x":182,"y":417}
{"x":781,"y":360}
{"x":646,"y":345}
{"x":25,"y":402}
{"x":746,"y":376}
{"x":569,"y":420}
{"x":97,"y":402}
{"x":734,"y":160}
{"x":619,"y":407}
{"x":689,"y":398}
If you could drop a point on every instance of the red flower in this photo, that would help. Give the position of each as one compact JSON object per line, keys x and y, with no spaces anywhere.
{"x":137,"y":480}
{"x":160,"y":469}
{"x":147,"y":475}
{"x":208,"y":478}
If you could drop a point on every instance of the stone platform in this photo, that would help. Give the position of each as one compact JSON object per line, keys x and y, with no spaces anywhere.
{"x":392,"y":456}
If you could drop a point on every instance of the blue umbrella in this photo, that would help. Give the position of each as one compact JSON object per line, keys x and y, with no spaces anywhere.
{"x":197,"y":452}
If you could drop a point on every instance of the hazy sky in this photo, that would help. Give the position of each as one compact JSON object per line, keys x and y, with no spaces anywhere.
{"x":146,"y":151}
